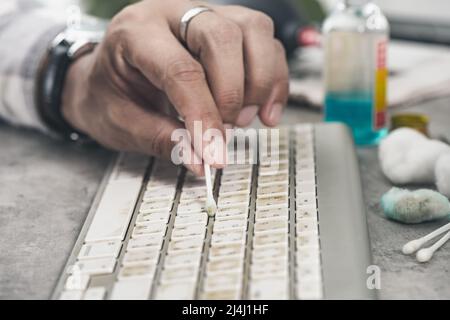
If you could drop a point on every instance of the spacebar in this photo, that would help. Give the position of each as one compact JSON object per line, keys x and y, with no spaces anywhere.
{"x":114,"y":211}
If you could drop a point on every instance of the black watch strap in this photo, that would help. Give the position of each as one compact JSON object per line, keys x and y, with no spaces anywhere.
{"x":51,"y":84}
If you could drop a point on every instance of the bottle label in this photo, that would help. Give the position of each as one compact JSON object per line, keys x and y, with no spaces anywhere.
{"x":380,"y":90}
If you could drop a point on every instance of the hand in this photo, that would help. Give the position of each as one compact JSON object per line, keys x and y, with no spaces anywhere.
{"x":131,"y":91}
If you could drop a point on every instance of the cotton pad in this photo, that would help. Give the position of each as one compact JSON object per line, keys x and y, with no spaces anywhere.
{"x":414,"y":206}
{"x":442,"y":173}
{"x":407,"y":156}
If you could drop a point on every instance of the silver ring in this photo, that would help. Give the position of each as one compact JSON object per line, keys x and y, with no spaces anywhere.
{"x":187,"y":18}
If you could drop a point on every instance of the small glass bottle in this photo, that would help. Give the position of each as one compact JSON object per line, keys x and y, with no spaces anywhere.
{"x":355,"y":39}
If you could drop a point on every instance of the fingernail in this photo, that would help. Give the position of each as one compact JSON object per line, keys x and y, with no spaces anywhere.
{"x":220,"y":152}
{"x":247,"y":115}
{"x":275,"y":113}
{"x":228,"y":126}
{"x":215,"y":153}
{"x":228,"y":132}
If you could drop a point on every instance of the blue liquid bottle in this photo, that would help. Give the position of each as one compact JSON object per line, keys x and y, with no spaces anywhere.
{"x":355,"y":41}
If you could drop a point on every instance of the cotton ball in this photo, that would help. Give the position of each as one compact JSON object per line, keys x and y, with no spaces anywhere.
{"x":407,"y":156}
{"x":414,"y":206}
{"x":442,"y":173}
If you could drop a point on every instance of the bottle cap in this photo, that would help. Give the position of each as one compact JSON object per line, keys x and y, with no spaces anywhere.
{"x":411,"y":120}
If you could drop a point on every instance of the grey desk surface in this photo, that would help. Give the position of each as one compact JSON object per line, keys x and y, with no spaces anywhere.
{"x":46,"y":188}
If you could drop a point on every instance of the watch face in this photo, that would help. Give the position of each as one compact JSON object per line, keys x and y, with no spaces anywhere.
{"x":86,"y":29}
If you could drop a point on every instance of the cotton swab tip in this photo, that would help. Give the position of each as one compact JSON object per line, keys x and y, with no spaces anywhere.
{"x":424,"y":255}
{"x":211,"y":207}
{"x":412,"y":246}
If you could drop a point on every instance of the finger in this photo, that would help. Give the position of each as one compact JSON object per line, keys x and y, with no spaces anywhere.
{"x":260,"y":57}
{"x":218,"y":43}
{"x":167,"y":65}
{"x":270,"y":114}
{"x":136,"y":129}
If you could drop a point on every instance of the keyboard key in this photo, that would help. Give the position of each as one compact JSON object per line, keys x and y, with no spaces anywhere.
{"x":71,"y":295}
{"x":196,"y":218}
{"x":138,"y":271}
{"x":95,"y":293}
{"x":304,"y":212}
{"x":307,"y":239}
{"x":156,"y":206}
{"x":132,"y":289}
{"x":223,"y":250}
{"x":183,"y":257}
{"x":230,"y":224}
{"x":270,"y":160}
{"x":155,"y":193}
{"x":305,"y":175}
{"x":233,"y":201}
{"x":114,"y":211}
{"x":272,"y":266}
{"x":77,"y":281}
{"x":221,"y":279}
{"x":231,"y":212}
{"x":278,"y":236}
{"x":278,"y":212}
{"x":307,"y":226}
{"x":240,"y":187}
{"x":270,"y":225}
{"x":186,"y":243}
{"x":146,"y":241}
{"x":225,"y":236}
{"x":176,"y":291}
{"x":237,"y":168}
{"x":272,"y":202}
{"x":149,"y":228}
{"x":272,"y":288}
{"x":162,"y":217}
{"x":194,"y":206}
{"x":228,"y":263}
{"x":186,"y":272}
{"x":310,"y":290}
{"x":306,"y":199}
{"x":269,"y":252}
{"x":94,"y":266}
{"x":136,"y":257}
{"x":308,"y":255}
{"x":242,"y":217}
{"x":274,"y":169}
{"x":222,"y":294}
{"x":190,"y":194}
{"x":188,"y":230}
{"x":237,"y":177}
{"x":162,"y":181}
{"x":276,"y":190}
{"x":305,"y":164}
{"x":129,"y":166}
{"x":100,"y":250}
{"x":271,"y":180}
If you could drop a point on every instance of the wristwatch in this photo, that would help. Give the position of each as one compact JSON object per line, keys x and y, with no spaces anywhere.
{"x":64,"y":49}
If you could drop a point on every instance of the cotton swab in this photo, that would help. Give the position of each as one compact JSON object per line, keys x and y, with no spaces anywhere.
{"x":211,"y":205}
{"x":415,"y":245}
{"x":424,"y":255}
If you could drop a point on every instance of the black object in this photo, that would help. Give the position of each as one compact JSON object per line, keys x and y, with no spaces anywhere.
{"x":51,"y":84}
{"x":289,"y":22}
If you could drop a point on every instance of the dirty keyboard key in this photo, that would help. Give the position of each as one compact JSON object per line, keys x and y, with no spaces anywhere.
{"x":132,"y":289}
{"x":176,"y":291}
{"x":94,"y":266}
{"x":95,"y":293}
{"x":100,"y":250}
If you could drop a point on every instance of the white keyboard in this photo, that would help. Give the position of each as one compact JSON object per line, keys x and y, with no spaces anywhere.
{"x":148,"y":236}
